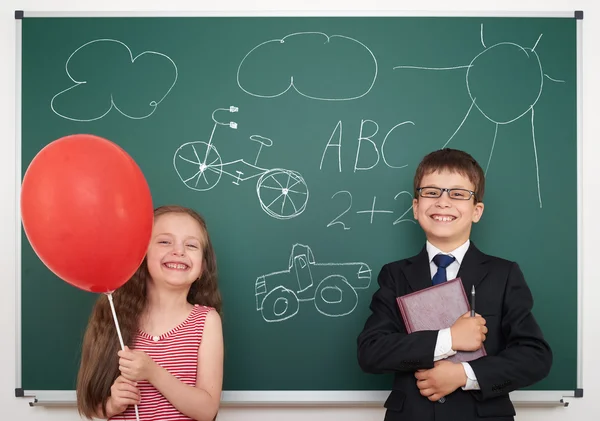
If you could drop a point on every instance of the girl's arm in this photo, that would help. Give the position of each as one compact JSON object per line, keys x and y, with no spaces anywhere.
{"x":123,"y":393}
{"x":111,"y":411}
{"x":202,"y":401}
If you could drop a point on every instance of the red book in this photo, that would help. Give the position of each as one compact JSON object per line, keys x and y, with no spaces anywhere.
{"x":436,"y":308}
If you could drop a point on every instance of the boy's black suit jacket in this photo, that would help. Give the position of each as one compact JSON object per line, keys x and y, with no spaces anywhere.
{"x":518,"y":355}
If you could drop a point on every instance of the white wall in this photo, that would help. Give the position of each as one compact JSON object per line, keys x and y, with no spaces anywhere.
{"x":579,"y":409}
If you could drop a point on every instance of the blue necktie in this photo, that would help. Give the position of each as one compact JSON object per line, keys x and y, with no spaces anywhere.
{"x":442,"y":261}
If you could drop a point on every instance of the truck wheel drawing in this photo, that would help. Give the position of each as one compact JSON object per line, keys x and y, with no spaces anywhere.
{"x":282,"y":193}
{"x":332,"y":286}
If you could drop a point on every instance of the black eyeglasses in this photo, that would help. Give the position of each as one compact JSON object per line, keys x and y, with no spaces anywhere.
{"x":455,"y":194}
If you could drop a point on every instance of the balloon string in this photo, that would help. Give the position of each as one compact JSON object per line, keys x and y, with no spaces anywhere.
{"x":114,"y":313}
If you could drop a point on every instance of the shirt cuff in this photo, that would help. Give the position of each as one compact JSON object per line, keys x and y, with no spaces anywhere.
{"x":472,"y":383}
{"x":443,"y":346}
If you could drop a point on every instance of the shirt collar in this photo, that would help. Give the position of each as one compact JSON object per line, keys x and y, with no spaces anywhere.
{"x":458,"y":253}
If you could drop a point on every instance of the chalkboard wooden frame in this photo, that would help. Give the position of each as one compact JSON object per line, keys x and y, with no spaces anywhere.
{"x":49,"y":398}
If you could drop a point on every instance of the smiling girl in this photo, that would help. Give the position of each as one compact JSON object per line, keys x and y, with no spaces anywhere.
{"x":170,"y":312}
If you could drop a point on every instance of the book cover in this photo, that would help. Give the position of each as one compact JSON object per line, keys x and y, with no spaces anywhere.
{"x":435,"y":308}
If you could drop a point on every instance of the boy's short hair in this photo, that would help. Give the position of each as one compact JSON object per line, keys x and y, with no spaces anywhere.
{"x":452,"y":160}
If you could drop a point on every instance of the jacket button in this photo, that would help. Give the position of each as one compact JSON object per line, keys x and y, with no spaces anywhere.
{"x":442,"y":400}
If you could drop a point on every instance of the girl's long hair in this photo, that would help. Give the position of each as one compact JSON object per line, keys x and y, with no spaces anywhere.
{"x":99,"y":365}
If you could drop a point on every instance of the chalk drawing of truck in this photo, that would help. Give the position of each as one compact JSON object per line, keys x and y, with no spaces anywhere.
{"x":332,"y":286}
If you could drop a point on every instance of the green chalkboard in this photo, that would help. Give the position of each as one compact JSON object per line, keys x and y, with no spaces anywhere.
{"x":297,"y":138}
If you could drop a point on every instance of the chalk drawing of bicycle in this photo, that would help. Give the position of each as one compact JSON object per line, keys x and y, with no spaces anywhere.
{"x":283,"y":194}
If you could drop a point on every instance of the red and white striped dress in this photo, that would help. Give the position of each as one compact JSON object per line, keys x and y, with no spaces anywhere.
{"x":177,"y":352}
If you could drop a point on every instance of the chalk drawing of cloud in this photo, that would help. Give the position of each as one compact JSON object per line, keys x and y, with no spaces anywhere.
{"x":315,"y":65}
{"x":107,"y":76}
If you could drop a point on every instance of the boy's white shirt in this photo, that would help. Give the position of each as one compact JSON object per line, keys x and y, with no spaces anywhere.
{"x":443,"y":346}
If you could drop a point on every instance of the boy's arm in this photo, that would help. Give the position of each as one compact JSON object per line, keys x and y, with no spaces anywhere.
{"x":443,"y":346}
{"x":471,"y":382}
{"x":527,"y":357}
{"x":383,"y":345}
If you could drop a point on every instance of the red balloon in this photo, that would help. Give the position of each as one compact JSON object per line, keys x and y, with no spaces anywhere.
{"x":87,"y":212}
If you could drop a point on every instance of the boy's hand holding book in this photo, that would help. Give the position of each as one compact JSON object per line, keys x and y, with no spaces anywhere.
{"x":468,"y":333}
{"x":446,"y":306}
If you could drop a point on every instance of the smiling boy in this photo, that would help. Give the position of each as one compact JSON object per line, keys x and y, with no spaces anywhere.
{"x":449,"y":188}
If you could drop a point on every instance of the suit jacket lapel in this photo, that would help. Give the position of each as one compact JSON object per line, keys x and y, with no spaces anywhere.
{"x":473,"y":268}
{"x":417,"y":272}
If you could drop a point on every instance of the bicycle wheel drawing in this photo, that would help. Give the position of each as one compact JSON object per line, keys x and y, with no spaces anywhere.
{"x":198,"y":165}
{"x":283,"y":194}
